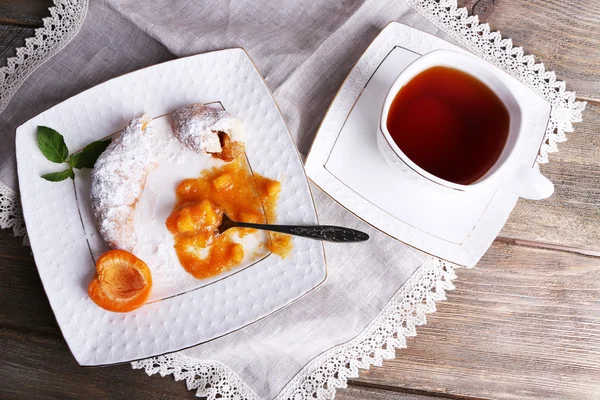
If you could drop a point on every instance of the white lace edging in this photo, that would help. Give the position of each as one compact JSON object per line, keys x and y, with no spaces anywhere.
{"x":211,"y":379}
{"x":330,"y":371}
{"x":66,"y":18}
{"x":10,"y":211}
{"x":490,"y":46}
{"x":379,"y":341}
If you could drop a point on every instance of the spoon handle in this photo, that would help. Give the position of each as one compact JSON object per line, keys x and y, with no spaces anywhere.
{"x":320,"y":232}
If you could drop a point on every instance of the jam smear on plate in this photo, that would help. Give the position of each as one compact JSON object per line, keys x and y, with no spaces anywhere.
{"x":201,"y":202}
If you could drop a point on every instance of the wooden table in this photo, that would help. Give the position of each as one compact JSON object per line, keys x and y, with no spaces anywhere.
{"x":524,"y":324}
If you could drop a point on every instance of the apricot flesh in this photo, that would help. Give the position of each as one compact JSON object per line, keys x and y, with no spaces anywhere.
{"x":122,"y":282}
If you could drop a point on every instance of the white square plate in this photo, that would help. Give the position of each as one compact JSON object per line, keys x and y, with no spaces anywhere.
{"x":346,"y":163}
{"x":182,"y":311}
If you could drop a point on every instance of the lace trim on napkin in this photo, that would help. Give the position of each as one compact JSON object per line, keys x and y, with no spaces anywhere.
{"x":331,"y":370}
{"x":211,"y":379}
{"x":66,"y":18}
{"x":10,"y":211}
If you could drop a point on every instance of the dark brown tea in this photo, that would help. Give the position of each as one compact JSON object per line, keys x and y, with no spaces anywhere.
{"x":450,"y":124}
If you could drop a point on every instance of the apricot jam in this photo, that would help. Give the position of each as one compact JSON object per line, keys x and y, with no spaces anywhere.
{"x":201,"y":202}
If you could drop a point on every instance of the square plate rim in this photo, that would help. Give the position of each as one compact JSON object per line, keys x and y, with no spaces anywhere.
{"x":233,"y":50}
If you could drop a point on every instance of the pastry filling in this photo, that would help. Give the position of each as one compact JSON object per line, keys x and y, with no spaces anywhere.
{"x":230,"y":149}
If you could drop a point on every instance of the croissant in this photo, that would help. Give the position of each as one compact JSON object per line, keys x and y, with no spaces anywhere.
{"x":209,"y":130}
{"x":118,"y":180}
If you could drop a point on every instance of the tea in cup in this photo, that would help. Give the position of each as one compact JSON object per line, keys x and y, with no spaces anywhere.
{"x":448,"y":119}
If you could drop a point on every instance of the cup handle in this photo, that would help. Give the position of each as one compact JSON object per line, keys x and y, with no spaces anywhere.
{"x":529,"y":183}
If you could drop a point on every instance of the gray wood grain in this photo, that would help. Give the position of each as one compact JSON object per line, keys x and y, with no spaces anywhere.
{"x":524,"y":324}
{"x":12,"y":37}
{"x":23,"y":302}
{"x":24,"y":12}
{"x":41,"y":367}
{"x":355,"y":392}
{"x":571,"y":217}
{"x":563,"y":34}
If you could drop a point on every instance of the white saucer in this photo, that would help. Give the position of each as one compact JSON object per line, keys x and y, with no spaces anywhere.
{"x":346,"y":163}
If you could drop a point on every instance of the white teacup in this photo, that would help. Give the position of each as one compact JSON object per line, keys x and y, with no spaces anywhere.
{"x":507,"y":172}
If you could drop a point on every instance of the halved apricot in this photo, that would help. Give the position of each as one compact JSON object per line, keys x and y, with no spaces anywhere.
{"x":122,"y":282}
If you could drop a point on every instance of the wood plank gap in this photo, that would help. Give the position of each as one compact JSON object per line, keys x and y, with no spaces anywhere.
{"x":53,"y":334}
{"x":549,"y":246}
{"x":17,"y":258}
{"x":398,"y":389}
{"x":23,"y":24}
{"x":589,"y":100}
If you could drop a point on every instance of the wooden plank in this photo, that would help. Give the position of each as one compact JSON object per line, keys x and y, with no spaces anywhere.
{"x":38,"y":365}
{"x":24,"y":12}
{"x":12,"y":37}
{"x":356,"y":392}
{"x":34,"y":366}
{"x":524,"y":324}
{"x":23,"y":302}
{"x":43,"y":367}
{"x":563,"y":34}
{"x":571,"y":217}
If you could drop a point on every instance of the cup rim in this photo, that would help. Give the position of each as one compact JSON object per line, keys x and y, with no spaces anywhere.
{"x":415,"y":68}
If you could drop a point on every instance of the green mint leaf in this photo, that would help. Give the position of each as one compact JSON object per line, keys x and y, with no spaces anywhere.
{"x":52,"y":144}
{"x":87,"y":157}
{"x":74,"y":159}
{"x":59,"y":176}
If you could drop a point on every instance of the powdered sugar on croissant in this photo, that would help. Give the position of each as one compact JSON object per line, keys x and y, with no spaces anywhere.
{"x":118,"y":179}
{"x":203,"y":129}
